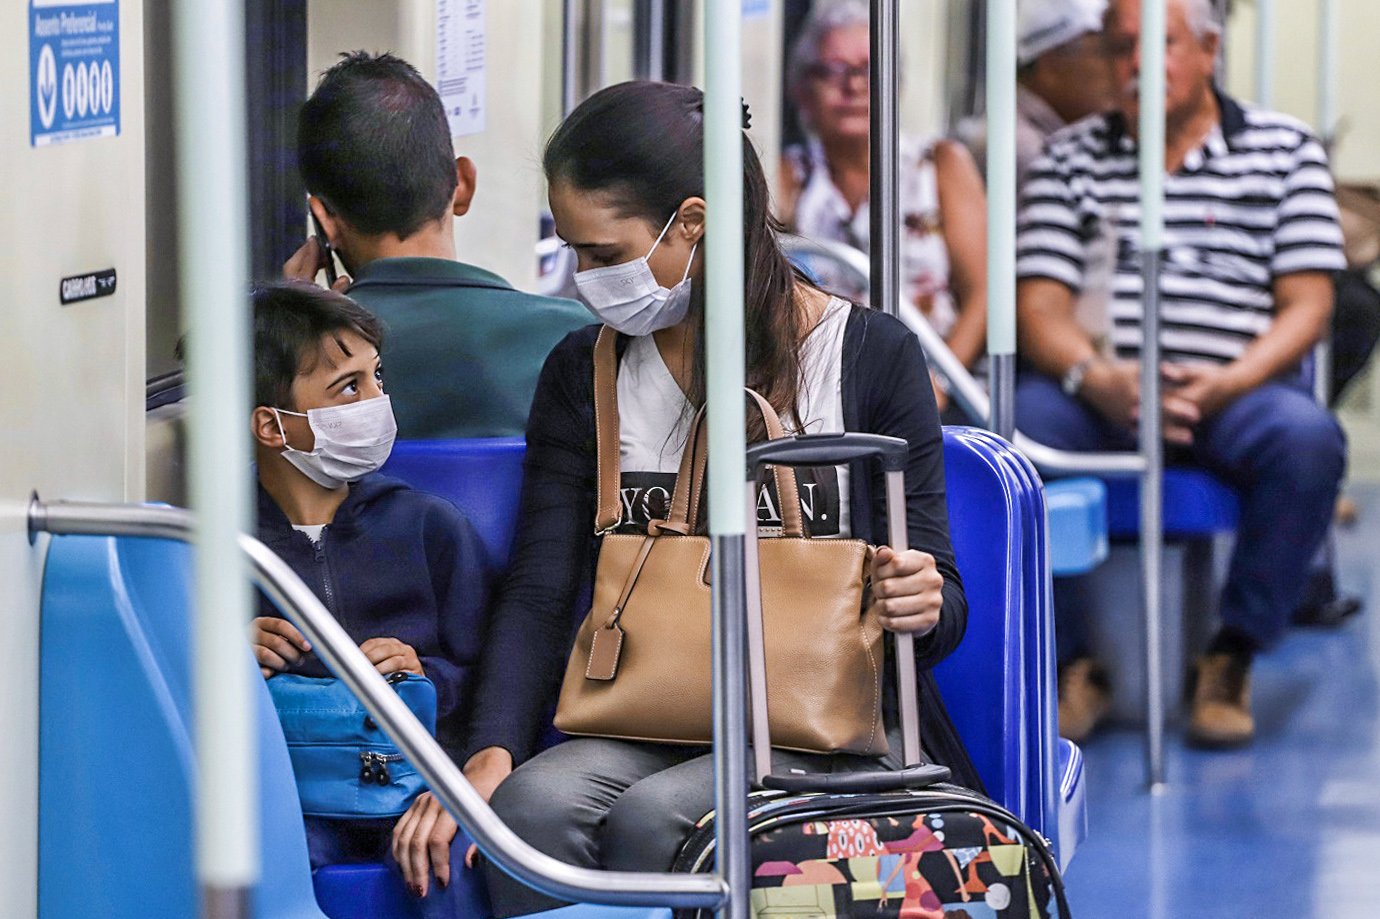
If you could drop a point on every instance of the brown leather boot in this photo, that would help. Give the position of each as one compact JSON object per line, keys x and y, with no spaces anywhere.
{"x":1084,"y":698}
{"x":1221,"y":715}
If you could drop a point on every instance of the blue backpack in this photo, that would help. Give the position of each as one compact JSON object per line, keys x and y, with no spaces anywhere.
{"x":346,"y":767}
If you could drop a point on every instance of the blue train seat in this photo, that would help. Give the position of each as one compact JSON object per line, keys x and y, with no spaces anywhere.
{"x":1085,"y":548}
{"x":116,"y":760}
{"x":998,"y":524}
{"x":1078,"y":534}
{"x":482,"y":477}
{"x":1196,"y":504}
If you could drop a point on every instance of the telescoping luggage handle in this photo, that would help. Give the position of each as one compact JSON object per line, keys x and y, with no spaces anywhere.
{"x":832,"y":450}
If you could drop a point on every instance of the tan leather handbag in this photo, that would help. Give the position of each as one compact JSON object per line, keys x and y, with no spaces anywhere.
{"x":640,"y":669}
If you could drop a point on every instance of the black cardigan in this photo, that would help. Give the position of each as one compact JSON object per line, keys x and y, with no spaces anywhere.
{"x":886,"y":390}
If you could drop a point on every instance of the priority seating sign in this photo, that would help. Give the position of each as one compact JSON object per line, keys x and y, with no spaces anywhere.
{"x":74,"y":70}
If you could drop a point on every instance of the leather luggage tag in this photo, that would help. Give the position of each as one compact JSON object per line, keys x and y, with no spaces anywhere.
{"x":604,"y":650}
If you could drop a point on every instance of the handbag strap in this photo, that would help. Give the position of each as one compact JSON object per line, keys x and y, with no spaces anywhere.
{"x":609,"y":511}
{"x":683,"y":514}
{"x":685,"y":503}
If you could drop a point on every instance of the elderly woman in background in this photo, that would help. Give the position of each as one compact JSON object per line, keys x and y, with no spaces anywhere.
{"x":823,"y":184}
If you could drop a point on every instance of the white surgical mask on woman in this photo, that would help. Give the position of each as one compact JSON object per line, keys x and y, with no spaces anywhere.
{"x":628,"y":298}
{"x":352,"y":440}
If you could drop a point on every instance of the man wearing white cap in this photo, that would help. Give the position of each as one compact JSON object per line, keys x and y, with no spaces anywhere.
{"x":1064,"y":74}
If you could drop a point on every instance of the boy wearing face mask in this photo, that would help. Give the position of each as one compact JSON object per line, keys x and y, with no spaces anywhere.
{"x":398,"y":568}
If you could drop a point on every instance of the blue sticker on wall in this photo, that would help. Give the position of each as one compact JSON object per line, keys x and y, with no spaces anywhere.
{"x":74,"y":70}
{"x":756,"y":8}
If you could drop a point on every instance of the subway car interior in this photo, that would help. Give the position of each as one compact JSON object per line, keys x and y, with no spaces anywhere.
{"x":1122,"y":663}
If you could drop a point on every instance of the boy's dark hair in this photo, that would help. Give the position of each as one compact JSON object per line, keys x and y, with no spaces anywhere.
{"x":290,"y":320}
{"x":374,"y":143}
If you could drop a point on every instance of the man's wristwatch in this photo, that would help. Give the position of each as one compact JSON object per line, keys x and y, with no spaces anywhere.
{"x":1073,"y":377}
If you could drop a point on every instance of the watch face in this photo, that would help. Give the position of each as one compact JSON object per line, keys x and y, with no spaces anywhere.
{"x":1073,"y":380}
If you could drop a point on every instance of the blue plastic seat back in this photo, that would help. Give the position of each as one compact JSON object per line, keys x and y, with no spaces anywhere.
{"x":982,"y":681}
{"x":1196,"y":503}
{"x":117,"y":762}
{"x":1077,"y":511}
{"x":999,"y":685}
{"x":1041,"y":768}
{"x":481,"y":476}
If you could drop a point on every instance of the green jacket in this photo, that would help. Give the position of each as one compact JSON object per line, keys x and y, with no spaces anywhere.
{"x":463,"y":347}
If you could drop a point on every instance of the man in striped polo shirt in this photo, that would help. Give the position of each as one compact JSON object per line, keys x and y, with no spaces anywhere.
{"x":1251,"y":242}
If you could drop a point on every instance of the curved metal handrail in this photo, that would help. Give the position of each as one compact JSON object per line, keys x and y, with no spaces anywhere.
{"x":965,"y":389}
{"x":347,"y":662}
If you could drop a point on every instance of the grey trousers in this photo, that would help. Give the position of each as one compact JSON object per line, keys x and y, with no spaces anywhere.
{"x":619,"y":805}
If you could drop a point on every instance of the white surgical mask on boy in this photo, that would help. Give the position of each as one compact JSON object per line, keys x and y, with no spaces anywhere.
{"x":352,"y":440}
{"x":628,"y":298}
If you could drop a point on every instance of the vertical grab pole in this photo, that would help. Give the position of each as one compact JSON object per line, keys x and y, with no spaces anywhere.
{"x":884,"y":212}
{"x":884,"y":90}
{"x":1327,"y":128}
{"x":1264,"y":53}
{"x":899,"y":540}
{"x":1001,"y":213}
{"x":1327,"y":70}
{"x":570,"y":63}
{"x":1152,"y":139}
{"x":208,"y":46}
{"x":725,"y":354}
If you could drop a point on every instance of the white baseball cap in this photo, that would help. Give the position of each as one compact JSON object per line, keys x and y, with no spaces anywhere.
{"x":1046,"y":24}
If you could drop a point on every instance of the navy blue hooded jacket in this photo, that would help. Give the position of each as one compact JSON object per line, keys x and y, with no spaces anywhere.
{"x":395,"y":563}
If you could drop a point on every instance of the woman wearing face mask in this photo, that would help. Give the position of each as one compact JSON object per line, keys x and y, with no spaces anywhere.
{"x":627,"y":192}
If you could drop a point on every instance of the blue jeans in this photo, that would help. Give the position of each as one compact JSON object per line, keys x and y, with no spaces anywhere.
{"x":1281,"y":451}
{"x":334,"y":842}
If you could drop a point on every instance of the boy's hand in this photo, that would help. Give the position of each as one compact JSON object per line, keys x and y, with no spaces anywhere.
{"x":421,"y":843}
{"x":389,"y":655}
{"x":278,"y":646}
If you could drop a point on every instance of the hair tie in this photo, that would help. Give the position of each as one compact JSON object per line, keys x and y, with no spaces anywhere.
{"x":698,"y":108}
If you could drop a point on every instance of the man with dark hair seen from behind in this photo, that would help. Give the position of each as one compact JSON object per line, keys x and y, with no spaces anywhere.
{"x":465,"y":347}
{"x":1251,"y":244}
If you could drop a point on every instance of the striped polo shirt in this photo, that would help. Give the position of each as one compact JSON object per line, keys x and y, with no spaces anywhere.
{"x":1253,"y":203}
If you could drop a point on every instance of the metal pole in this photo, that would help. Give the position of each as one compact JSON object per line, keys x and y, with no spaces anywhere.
{"x":1264,"y":52}
{"x":570,"y":62}
{"x":1001,"y":213}
{"x":1327,"y":70}
{"x":592,"y":46}
{"x":1151,"y":143}
{"x":649,"y":40}
{"x":884,"y":213}
{"x":898,"y":527}
{"x":756,"y":639}
{"x":725,"y":354}
{"x":208,"y":48}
